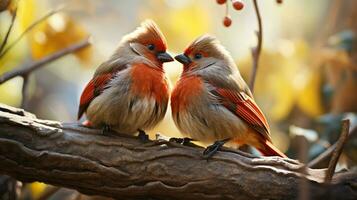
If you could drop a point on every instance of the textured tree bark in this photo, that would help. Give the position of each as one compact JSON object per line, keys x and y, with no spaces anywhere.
{"x":122,"y":167}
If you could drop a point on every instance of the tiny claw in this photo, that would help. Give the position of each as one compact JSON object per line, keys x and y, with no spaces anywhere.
{"x":184,"y":141}
{"x":106,"y":130}
{"x":176,"y":140}
{"x":143,"y":136}
{"x":188,"y":141}
{"x":212,"y":149}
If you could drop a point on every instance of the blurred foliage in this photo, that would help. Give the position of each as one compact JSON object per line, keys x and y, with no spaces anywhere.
{"x":341,"y":78}
{"x":37,"y":189}
{"x":310,"y":95}
{"x":55,"y":33}
{"x":345,"y":40}
{"x":58,"y":32}
{"x":4,"y":4}
{"x":284,"y":80}
{"x":11,"y":92}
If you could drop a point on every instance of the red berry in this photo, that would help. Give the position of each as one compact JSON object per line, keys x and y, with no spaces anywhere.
{"x":221,"y":1}
{"x":237,"y":4}
{"x":227,"y":21}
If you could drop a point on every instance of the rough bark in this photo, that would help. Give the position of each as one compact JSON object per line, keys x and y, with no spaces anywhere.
{"x":122,"y":167}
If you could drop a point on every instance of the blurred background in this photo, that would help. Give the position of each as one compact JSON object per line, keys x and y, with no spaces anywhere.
{"x":307,"y":76}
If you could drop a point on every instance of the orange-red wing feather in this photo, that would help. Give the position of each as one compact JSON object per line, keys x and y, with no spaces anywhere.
{"x":270,"y":150}
{"x":94,"y":88}
{"x":245,"y":108}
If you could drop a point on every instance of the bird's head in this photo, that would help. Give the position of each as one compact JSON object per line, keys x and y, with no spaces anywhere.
{"x":204,"y":52}
{"x":148,"y":41}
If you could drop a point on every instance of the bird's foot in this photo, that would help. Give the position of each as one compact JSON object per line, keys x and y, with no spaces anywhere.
{"x":106,"y":130}
{"x":184,"y":141}
{"x":143,"y":136}
{"x":212,"y":149}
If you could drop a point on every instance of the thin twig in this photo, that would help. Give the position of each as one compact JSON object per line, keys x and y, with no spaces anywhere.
{"x":337,"y":152}
{"x":322,"y":157}
{"x":28,"y":29}
{"x":24,"y":90}
{"x":4,"y":42}
{"x":327,"y":153}
{"x":227,"y":9}
{"x":24,"y":70}
{"x":256,"y":51}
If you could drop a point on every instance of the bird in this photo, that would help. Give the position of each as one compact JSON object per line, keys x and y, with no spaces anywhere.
{"x":129,"y":92}
{"x":211,"y":102}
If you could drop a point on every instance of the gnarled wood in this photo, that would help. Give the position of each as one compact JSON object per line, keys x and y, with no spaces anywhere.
{"x":122,"y":167}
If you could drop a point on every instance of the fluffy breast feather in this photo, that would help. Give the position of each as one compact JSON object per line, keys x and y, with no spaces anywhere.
{"x":185,"y":91}
{"x":149,"y":81}
{"x":199,"y":115}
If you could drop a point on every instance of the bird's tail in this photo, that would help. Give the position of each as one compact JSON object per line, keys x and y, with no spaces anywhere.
{"x":268,"y":149}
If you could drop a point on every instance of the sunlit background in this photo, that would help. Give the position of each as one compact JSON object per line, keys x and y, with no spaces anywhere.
{"x":303,"y":58}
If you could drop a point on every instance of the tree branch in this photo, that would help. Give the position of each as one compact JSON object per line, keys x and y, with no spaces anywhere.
{"x":256,"y":51}
{"x":323,"y":156}
{"x":337,"y":152}
{"x":28,"y":68}
{"x":328,"y":152}
{"x":122,"y":167}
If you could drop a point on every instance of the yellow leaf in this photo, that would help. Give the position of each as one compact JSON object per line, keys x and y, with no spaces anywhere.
{"x":309,"y":98}
{"x":283,"y":98}
{"x":56,"y":33}
{"x":28,"y":11}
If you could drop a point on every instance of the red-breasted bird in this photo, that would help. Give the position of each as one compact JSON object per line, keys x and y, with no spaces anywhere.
{"x":211,"y":101}
{"x":129,"y":92}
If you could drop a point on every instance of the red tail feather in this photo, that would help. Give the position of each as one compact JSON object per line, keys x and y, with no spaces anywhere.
{"x":271,"y":150}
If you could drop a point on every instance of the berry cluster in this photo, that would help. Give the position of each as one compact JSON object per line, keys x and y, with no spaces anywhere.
{"x":237,"y":5}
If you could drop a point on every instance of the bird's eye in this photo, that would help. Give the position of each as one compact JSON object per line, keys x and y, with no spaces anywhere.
{"x":198,"y":56}
{"x":151,"y":47}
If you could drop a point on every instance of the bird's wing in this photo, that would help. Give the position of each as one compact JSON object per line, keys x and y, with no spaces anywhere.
{"x":104,"y":73}
{"x":244,"y":107}
{"x":94,"y":88}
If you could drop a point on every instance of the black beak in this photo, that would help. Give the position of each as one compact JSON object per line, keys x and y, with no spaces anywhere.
{"x":164,"y":57}
{"x":182,"y":58}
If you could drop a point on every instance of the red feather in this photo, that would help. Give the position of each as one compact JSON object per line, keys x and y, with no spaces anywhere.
{"x":149,"y":81}
{"x":92,"y":90}
{"x":270,"y":150}
{"x":245,"y":108}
